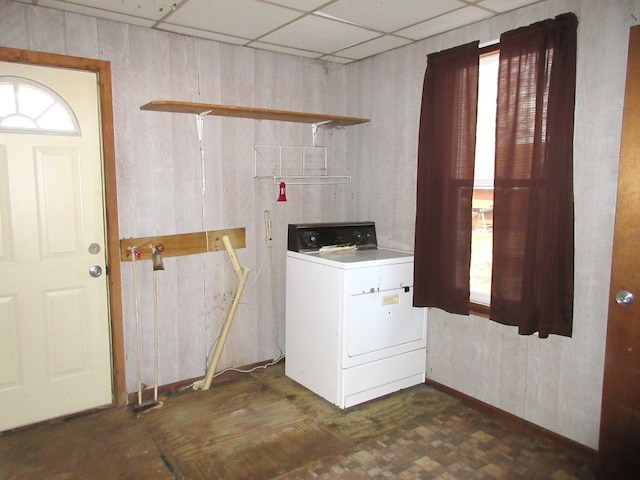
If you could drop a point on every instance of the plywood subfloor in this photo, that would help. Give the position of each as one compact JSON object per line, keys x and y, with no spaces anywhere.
{"x":240,"y":429}
{"x":108,"y":444}
{"x":263,"y":425}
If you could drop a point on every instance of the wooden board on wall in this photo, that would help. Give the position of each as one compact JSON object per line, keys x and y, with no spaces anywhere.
{"x":249,"y":112}
{"x":182,"y":244}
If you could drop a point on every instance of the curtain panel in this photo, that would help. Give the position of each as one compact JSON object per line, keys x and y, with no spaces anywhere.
{"x":533,"y":217}
{"x":446,"y":155}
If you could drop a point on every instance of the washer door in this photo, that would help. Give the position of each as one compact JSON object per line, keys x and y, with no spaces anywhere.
{"x":383,"y":323}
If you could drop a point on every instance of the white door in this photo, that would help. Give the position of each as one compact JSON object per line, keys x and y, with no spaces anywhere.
{"x":55,"y":356}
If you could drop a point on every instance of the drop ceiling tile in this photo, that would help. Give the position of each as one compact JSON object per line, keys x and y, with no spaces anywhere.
{"x":281,"y":49}
{"x":341,"y":31}
{"x":192,"y":32}
{"x":241,"y":18}
{"x":319,"y":34}
{"x":389,"y":15}
{"x":303,"y":5}
{"x":446,"y":22}
{"x":373,"y":47}
{"x":502,"y":6}
{"x":334,"y":59}
{"x":98,"y":12}
{"x":153,"y":10}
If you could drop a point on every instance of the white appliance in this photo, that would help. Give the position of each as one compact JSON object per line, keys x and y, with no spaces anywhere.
{"x":351,"y":331}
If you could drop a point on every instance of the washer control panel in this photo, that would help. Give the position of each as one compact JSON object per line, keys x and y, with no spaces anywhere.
{"x":311,"y":237}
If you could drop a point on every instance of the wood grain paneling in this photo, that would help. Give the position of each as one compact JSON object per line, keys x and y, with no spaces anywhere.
{"x":159,"y":190}
{"x":540,"y":380}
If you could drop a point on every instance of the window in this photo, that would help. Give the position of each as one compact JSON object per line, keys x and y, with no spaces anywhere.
{"x":27,"y":106}
{"x":532,"y":206}
{"x":482,"y":200}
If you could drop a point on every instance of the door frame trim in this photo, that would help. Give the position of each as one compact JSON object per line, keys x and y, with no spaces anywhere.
{"x":102,"y":69}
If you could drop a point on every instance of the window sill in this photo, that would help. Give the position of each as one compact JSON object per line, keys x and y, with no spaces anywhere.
{"x":479,"y":309}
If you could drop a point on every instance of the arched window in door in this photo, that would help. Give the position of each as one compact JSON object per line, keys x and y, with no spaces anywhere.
{"x":30,"y":107}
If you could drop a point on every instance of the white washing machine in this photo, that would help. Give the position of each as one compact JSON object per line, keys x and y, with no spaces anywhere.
{"x":352,"y":333}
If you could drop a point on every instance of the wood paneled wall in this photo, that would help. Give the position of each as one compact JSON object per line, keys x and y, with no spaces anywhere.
{"x":555,"y":382}
{"x":159,"y":176}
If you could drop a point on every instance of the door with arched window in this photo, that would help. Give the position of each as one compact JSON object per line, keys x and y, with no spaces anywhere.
{"x":55,"y":356}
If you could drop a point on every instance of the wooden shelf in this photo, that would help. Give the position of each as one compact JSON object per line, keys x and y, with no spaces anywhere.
{"x":249,"y":112}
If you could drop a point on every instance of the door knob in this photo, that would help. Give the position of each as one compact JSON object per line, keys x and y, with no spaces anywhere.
{"x":624,"y":298}
{"x":95,"y":271}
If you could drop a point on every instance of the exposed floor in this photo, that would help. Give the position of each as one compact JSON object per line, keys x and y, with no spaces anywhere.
{"x":265,"y":426}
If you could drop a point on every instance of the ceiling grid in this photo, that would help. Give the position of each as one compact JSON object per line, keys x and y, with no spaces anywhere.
{"x":340,"y":31}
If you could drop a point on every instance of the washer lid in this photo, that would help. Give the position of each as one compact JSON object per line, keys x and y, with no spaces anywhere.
{"x":376,"y":257}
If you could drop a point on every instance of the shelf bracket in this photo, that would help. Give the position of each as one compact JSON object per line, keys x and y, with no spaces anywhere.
{"x":314,"y":131}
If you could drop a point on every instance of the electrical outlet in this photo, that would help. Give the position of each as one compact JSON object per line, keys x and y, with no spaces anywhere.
{"x":267,"y":228}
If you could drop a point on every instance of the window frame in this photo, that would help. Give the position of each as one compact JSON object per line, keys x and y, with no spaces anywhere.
{"x":475,"y":307}
{"x":56,"y":100}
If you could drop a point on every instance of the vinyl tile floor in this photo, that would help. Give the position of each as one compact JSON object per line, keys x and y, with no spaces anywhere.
{"x":263,"y":425}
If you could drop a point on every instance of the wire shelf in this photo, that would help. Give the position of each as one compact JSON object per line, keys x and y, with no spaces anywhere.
{"x":300,"y":165}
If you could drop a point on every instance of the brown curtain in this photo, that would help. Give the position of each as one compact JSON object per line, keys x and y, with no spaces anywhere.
{"x":533,"y":219}
{"x":446,"y":152}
